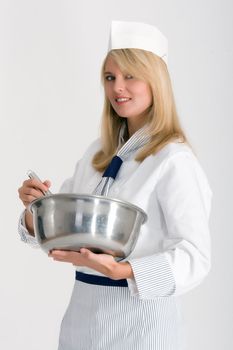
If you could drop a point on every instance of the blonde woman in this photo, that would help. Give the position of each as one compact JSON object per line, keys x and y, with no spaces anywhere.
{"x":132,"y":304}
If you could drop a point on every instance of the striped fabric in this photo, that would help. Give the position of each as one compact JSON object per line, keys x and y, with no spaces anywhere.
{"x":153,"y":276}
{"x":24,"y":234}
{"x":109,"y":318}
{"x":139,"y":139}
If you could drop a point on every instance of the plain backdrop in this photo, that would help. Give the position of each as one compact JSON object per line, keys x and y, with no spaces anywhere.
{"x":50,"y":106}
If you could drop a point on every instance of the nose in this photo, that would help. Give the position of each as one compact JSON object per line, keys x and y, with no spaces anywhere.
{"x":119,"y":85}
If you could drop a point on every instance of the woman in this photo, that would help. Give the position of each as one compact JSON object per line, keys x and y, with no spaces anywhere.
{"x":132,"y":304}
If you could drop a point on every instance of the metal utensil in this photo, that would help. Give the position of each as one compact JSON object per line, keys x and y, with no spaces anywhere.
{"x":32,"y":175}
{"x":101,"y":224}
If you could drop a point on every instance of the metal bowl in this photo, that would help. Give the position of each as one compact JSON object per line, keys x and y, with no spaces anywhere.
{"x":101,"y":224}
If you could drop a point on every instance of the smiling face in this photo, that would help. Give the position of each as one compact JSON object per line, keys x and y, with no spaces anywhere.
{"x":130,"y":97}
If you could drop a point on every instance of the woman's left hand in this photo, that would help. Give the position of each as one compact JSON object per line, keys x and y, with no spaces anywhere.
{"x":102,"y":263}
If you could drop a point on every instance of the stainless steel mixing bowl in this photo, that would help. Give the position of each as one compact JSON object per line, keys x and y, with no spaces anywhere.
{"x":101,"y":224}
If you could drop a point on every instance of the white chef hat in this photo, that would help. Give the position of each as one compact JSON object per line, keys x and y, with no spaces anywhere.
{"x":126,"y":35}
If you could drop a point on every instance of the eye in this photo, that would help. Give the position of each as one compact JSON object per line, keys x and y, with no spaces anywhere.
{"x":109,"y":77}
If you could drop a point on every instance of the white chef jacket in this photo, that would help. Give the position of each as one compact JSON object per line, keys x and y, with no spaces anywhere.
{"x":172,"y":254}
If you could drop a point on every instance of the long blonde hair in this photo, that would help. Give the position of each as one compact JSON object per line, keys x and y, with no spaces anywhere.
{"x":163,"y":121}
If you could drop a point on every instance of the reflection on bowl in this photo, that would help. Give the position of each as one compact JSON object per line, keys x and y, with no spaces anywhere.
{"x":73,"y":221}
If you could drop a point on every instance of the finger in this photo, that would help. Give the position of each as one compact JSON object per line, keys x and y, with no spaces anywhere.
{"x":47,"y":183}
{"x":88,"y":253}
{"x":62,"y":257}
{"x":63,"y":254}
{"x":57,"y":252}
{"x":29,"y":191}
{"x":30,"y":197}
{"x":56,"y":255}
{"x":61,"y":260}
{"x":35,"y":184}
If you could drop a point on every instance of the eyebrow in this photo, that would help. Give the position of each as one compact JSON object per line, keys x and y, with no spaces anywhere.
{"x":108,"y":73}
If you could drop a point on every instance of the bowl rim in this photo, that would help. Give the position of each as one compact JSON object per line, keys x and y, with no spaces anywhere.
{"x":88,"y":195}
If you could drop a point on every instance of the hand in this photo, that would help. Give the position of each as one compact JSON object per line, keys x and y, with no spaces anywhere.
{"x":102,"y":263}
{"x":29,"y":191}
{"x":32,"y":189}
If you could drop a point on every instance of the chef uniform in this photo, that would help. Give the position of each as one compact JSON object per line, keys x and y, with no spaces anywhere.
{"x":171,"y":256}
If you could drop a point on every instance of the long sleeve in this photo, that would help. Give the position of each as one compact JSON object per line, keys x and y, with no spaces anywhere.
{"x":184,"y":197}
{"x":24,"y":234}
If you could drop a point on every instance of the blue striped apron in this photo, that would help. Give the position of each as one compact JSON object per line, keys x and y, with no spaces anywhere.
{"x":107,"y":317}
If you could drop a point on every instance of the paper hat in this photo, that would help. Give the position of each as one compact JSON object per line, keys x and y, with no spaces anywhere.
{"x":126,"y":35}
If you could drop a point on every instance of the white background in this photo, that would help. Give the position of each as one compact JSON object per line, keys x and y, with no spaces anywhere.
{"x":51,"y":101}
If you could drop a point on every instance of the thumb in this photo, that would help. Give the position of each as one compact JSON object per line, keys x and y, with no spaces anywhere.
{"x":86,"y":252}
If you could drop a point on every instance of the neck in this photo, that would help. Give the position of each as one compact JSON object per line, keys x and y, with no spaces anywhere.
{"x":135,"y":123}
{"x":133,"y":127}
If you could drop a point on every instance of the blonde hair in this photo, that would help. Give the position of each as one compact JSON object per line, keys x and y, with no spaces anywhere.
{"x":163,"y":121}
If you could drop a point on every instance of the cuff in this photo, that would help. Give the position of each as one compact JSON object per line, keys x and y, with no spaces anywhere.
{"x":153,"y":277}
{"x":24,"y":234}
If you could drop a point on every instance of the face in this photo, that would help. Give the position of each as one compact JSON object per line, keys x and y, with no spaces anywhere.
{"x":129,"y":96}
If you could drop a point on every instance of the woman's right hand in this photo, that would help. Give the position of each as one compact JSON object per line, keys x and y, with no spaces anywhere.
{"x":30,"y":190}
